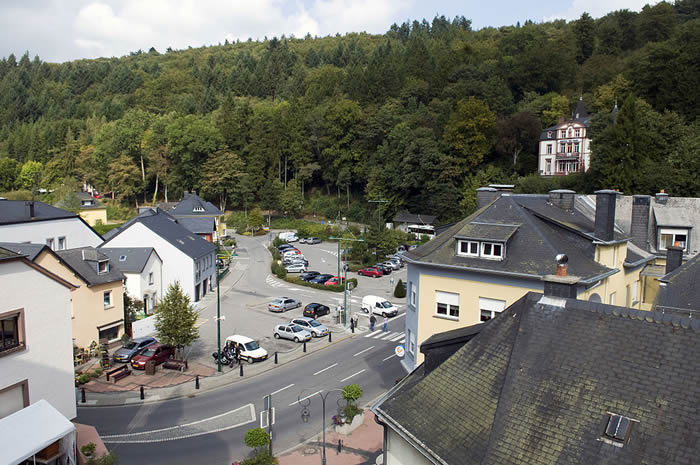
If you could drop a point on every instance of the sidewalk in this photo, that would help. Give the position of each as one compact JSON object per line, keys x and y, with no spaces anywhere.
{"x":361,"y":447}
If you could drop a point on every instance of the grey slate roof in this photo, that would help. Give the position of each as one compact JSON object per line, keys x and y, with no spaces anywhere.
{"x":191,"y":204}
{"x":169,"y":228}
{"x":537,"y":385}
{"x":201,"y":225}
{"x":18,"y":211}
{"x":84,"y":262}
{"x":28,"y":250}
{"x":406,"y":217}
{"x":129,"y":260}
{"x":536,"y":231}
{"x":676,"y":212}
{"x":681,"y":290}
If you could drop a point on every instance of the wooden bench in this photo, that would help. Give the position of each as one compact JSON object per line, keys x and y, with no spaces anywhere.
{"x":119,"y":373}
{"x":175,"y":364}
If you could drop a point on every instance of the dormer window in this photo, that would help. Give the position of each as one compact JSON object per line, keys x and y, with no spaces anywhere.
{"x":618,"y":429}
{"x":549,"y":134}
{"x":669,"y":237}
{"x":102,"y":267}
{"x":482,"y":249}
{"x":198,"y":210}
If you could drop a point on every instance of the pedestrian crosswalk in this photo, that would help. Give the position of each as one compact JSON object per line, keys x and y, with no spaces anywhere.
{"x":391,"y":336}
{"x":272,"y":282}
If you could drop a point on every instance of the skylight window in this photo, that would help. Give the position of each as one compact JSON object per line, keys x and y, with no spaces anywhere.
{"x":122,"y":258}
{"x":617,"y":431}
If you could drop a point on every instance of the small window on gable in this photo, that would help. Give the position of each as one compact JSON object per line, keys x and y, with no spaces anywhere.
{"x":102,"y":267}
{"x":617,"y":431}
{"x":122,"y":258}
{"x":198,"y":209}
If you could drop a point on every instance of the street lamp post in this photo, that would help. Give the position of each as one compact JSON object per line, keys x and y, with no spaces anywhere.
{"x":218,"y":318}
{"x":305,"y":414}
{"x":345,"y":268}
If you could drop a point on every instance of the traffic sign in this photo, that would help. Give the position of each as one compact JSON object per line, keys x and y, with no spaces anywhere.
{"x":399,"y":351}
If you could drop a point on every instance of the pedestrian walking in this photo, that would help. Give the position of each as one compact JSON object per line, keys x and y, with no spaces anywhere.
{"x":372,"y":321}
{"x":238,"y":353}
{"x":352,"y":324}
{"x":386,"y":324}
{"x":391,"y":281}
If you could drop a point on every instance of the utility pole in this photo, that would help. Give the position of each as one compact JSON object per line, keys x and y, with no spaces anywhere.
{"x":345,"y":284}
{"x":379,"y":210}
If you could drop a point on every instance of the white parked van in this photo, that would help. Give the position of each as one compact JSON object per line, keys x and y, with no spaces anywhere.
{"x":378,"y":306}
{"x":288,"y":236}
{"x":250,"y":350}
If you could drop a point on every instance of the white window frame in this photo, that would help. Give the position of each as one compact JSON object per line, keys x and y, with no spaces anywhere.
{"x":492,"y":255}
{"x":469,"y":244}
{"x":615,"y":256}
{"x":50,"y":243}
{"x":411,"y":343}
{"x":611,"y":298}
{"x":412,"y":294}
{"x":450,"y":300}
{"x":578,"y":132}
{"x":150,"y":278}
{"x":635,"y":292}
{"x":549,"y":148}
{"x":490,"y":306}
{"x":103,"y":266}
{"x":673,"y":232}
{"x":107,"y":298}
{"x":61,"y":243}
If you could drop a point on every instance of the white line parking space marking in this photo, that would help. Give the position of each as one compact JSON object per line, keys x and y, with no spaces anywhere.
{"x":373,"y":333}
{"x":402,"y":341}
{"x":327,"y":368}
{"x":390,"y":356}
{"x":280,"y":390}
{"x":225,"y":421}
{"x":304,"y":398}
{"x":345,"y":379}
{"x":394,"y":339}
{"x":363,"y":351}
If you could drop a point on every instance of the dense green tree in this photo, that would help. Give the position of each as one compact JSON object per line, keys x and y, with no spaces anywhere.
{"x":468,"y":132}
{"x":9,"y":171}
{"x":30,"y":175}
{"x":176,"y":319}
{"x":221,"y":174}
{"x":584,"y":29}
{"x":124,"y":177}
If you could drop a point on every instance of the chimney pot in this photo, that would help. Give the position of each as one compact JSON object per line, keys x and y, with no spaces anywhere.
{"x":674,"y":257}
{"x":661,"y":197}
{"x":486,"y":195}
{"x":639,"y":229}
{"x":605,"y":214}
{"x":563,"y":198}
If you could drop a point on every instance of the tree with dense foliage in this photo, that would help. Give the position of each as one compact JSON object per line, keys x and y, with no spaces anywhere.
{"x":176,"y":319}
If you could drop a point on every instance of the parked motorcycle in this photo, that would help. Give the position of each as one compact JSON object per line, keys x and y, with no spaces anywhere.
{"x":226,"y":358}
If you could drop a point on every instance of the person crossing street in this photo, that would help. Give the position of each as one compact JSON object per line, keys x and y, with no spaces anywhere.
{"x":372,"y":321}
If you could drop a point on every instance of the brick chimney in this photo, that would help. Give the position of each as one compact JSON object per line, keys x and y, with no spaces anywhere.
{"x":641,"y":206}
{"x":605,"y":214}
{"x":560,"y":284}
{"x":563,"y":198}
{"x":674,"y":257}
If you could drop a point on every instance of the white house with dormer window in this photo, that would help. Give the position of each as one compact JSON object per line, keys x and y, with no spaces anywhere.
{"x":565,"y":147}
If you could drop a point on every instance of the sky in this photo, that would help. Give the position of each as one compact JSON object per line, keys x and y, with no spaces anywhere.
{"x":65,"y":30}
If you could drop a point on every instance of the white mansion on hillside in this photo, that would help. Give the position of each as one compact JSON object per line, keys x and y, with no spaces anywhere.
{"x":566,"y":147}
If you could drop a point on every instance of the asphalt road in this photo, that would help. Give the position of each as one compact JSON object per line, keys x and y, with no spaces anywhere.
{"x":210,"y":427}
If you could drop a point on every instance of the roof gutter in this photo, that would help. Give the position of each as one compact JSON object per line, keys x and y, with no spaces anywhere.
{"x":599,"y":277}
{"x":477,"y":270}
{"x":639,"y":262}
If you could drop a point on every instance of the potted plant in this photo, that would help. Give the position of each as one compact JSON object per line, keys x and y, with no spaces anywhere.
{"x":88,"y":450}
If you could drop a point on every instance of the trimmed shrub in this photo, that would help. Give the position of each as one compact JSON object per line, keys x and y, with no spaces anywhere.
{"x":278,"y":270}
{"x":400,"y":290}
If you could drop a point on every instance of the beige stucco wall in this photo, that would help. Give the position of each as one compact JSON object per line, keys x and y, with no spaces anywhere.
{"x":91,"y":216}
{"x":430,"y":323}
{"x":87,"y":303}
{"x":620,"y":282}
{"x":400,"y":452}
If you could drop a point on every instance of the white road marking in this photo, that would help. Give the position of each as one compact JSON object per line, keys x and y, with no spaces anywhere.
{"x":403,"y":341}
{"x":373,"y":333}
{"x":345,"y":379}
{"x":327,"y":368}
{"x":304,"y":398}
{"x":394,"y":339}
{"x":280,"y":390}
{"x":390,"y":356}
{"x":363,"y":351}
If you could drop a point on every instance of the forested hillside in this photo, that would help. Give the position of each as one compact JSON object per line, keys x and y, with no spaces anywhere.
{"x":419,"y":116}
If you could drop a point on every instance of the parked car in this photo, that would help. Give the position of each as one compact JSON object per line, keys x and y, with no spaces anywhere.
{"x":394,"y":265}
{"x":295,"y":259}
{"x":288,"y":236}
{"x":304,"y":240}
{"x":309,"y":275}
{"x":378,"y":305}
{"x":250,"y":350}
{"x":283,"y":247}
{"x":156,"y":352}
{"x":291,"y":253}
{"x":295,"y":268}
{"x":313,"y":326}
{"x":283,"y":304}
{"x":385,"y":269}
{"x":292,"y":332}
{"x":321,"y":279}
{"x":370,"y":271}
{"x":131,"y":348}
{"x":334,"y":281}
{"x":313,"y":240}
{"x":316,"y":310}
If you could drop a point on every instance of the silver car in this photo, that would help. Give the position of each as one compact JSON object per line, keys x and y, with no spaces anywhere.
{"x":295,"y":268}
{"x":283,"y":304}
{"x":292,"y":332}
{"x":393,"y":264}
{"x":314,"y":327}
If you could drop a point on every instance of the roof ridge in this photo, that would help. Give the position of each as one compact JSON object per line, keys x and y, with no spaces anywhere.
{"x":649,"y":316}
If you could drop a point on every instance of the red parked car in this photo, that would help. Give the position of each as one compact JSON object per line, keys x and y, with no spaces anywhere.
{"x":333,"y":281}
{"x":370,"y":271}
{"x":157,"y":352}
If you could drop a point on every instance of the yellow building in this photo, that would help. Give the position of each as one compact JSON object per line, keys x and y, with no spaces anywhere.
{"x":478,"y":267}
{"x":97,"y":303}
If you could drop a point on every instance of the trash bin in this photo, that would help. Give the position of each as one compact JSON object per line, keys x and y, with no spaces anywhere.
{"x":151,"y":367}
